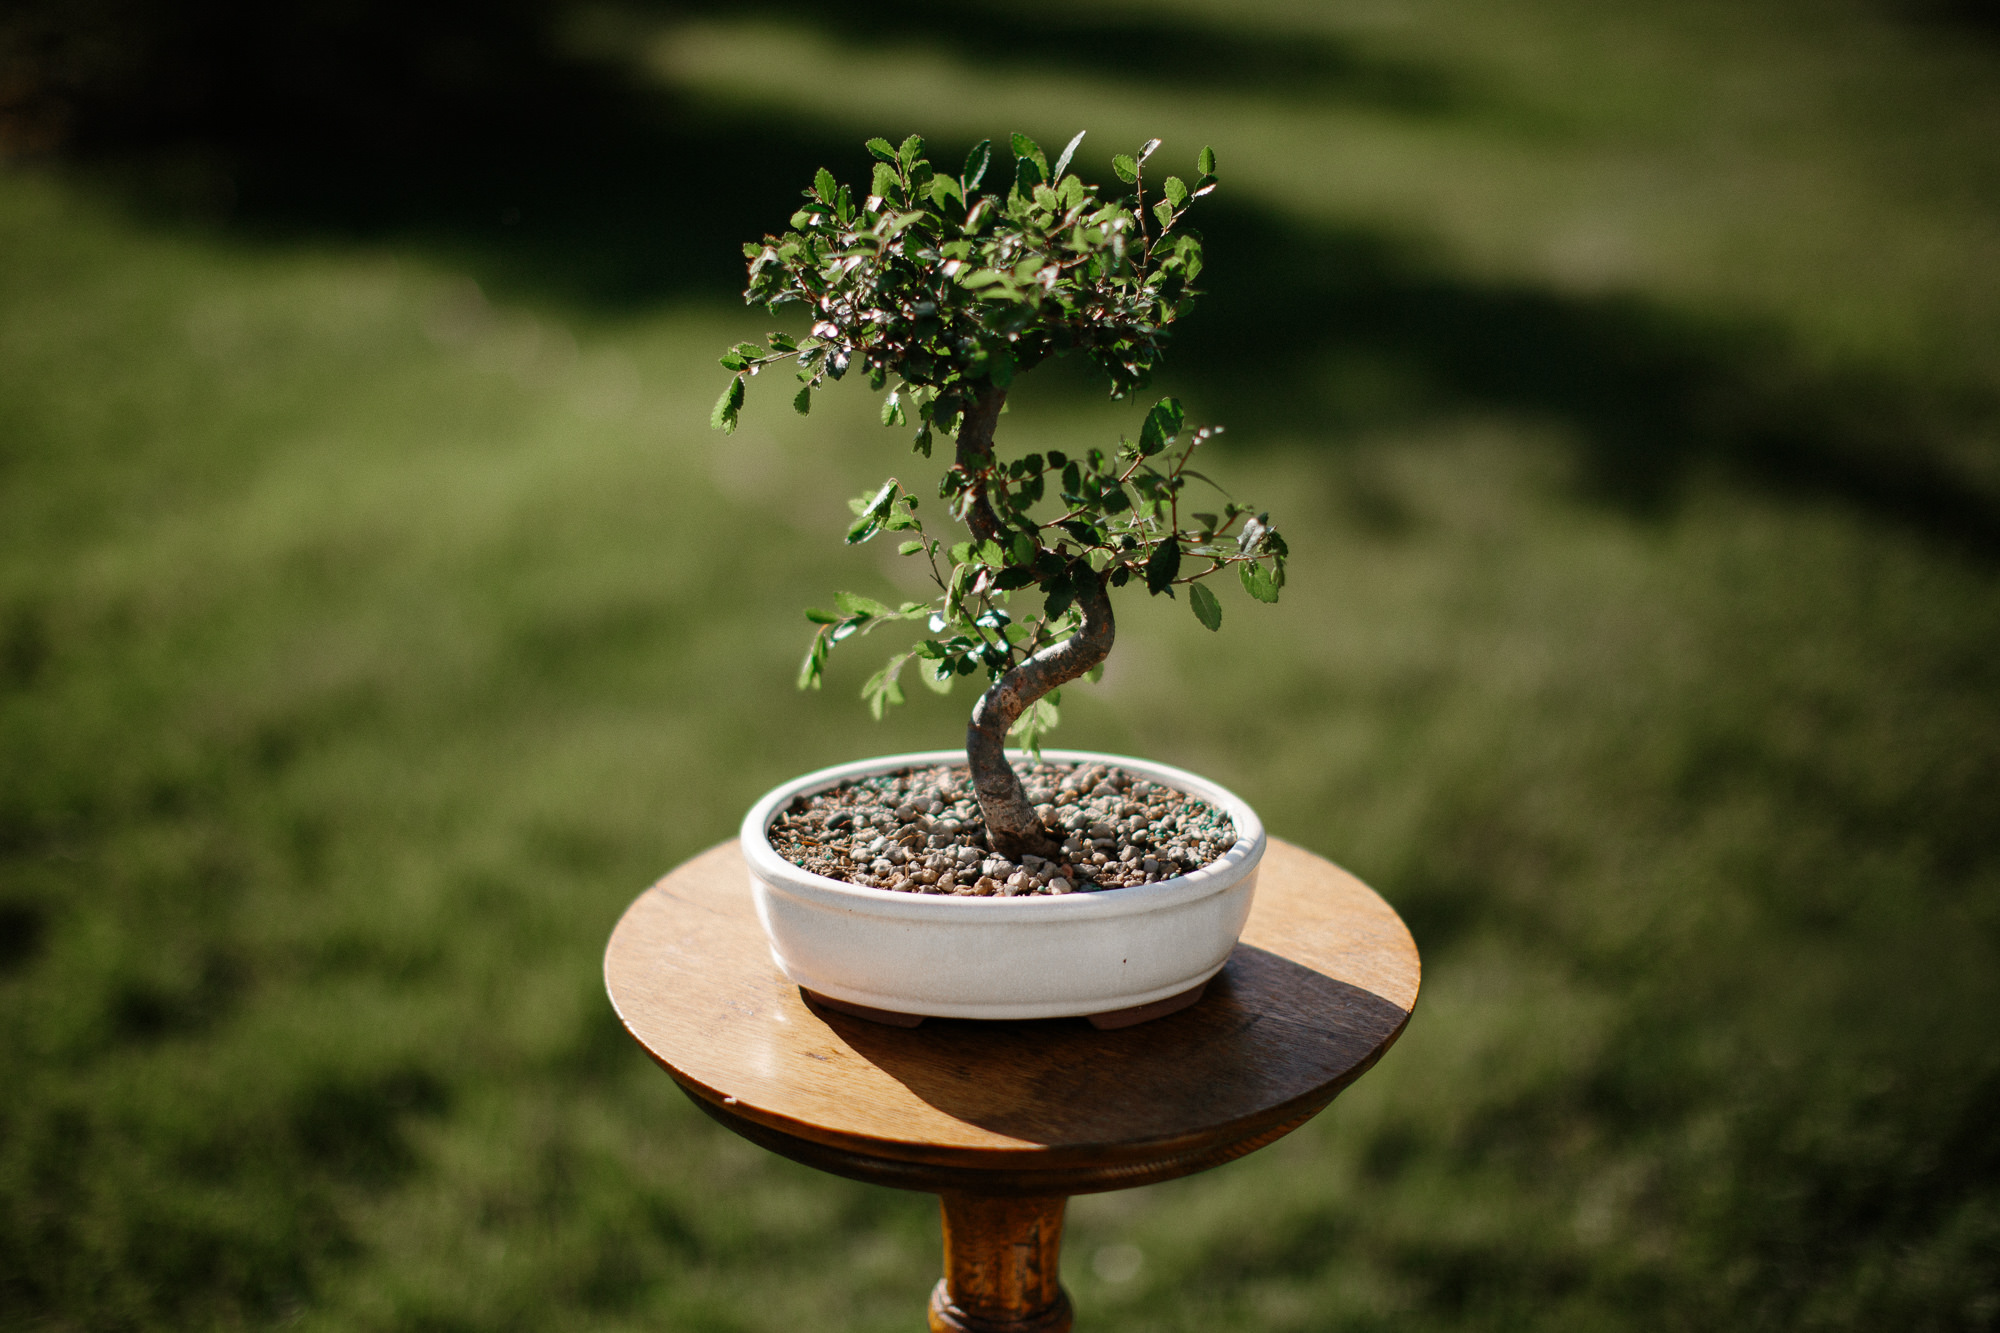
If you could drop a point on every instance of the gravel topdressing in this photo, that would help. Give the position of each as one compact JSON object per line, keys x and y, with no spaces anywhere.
{"x":919,"y":830}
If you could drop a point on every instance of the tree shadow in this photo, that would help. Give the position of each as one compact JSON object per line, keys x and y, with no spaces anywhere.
{"x":480,"y":132}
{"x":1337,"y":331}
{"x":1976,"y":18}
{"x":1269,"y":1034}
{"x":1302,"y":69}
{"x":483,"y":133}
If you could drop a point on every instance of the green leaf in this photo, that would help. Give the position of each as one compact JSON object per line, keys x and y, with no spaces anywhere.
{"x":1062,"y":163}
{"x":1125,"y":168}
{"x":943,"y":188}
{"x":1083,"y":532}
{"x":1095,"y":674}
{"x":732,"y":361}
{"x":804,"y":402}
{"x":885,"y":185}
{"x":1258,"y":582}
{"x":854,"y":604}
{"x":882,"y":149}
{"x":976,"y":163}
{"x":1206,"y":162}
{"x":1062,"y":595}
{"x":1029,"y":149}
{"x":1162,"y":424}
{"x":937,"y":676}
{"x":815,"y":664}
{"x":1163,"y":211}
{"x":872,"y":514}
{"x":819,"y":617}
{"x":783,"y":342}
{"x":912,"y":148}
{"x":1206,"y":608}
{"x":1038,"y":717}
{"x":723,"y":418}
{"x":882,"y":688}
{"x":1176,"y":191}
{"x":1163,"y":566}
{"x":892,"y":411}
{"x":824,"y":185}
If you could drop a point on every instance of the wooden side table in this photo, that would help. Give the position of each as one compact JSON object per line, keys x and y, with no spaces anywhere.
{"x":1004,"y":1121}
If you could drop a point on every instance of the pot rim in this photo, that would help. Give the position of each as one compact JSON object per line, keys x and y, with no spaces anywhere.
{"x":1218,"y":875}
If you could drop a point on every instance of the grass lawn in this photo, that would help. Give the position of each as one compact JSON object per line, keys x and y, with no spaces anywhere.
{"x":378,"y":616}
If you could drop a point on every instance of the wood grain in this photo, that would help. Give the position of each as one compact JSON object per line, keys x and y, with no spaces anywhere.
{"x":1002,"y":1266}
{"x":1322,"y":983}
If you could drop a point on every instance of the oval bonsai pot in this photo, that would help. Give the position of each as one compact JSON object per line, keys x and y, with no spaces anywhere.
{"x":1127,"y":952}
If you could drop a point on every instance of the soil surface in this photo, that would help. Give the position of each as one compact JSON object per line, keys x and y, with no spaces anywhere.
{"x":919,"y":830}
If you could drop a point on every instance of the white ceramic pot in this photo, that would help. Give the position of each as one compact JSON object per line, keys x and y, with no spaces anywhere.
{"x":1040,"y":956}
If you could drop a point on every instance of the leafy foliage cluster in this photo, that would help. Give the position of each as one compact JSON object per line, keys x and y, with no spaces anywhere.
{"x":950,"y":289}
{"x":953,"y":292}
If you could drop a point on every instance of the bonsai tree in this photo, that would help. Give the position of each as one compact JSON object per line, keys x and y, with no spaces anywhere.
{"x":942,"y":293}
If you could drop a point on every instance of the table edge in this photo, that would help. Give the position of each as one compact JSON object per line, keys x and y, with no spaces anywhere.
{"x":999,"y":1169}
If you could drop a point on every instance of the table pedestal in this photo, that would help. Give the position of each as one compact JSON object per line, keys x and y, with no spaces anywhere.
{"x":1002,"y":1266}
{"x":1005,"y":1121}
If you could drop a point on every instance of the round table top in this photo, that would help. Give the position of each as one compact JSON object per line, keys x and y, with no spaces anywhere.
{"x":1322,"y":982}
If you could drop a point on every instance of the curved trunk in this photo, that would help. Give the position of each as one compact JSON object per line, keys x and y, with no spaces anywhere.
{"x":1011,"y":824}
{"x":975,"y":452}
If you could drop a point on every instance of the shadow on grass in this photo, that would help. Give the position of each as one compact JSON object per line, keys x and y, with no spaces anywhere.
{"x":1339,"y":330}
{"x":478,"y":132}
{"x":1184,"y":51}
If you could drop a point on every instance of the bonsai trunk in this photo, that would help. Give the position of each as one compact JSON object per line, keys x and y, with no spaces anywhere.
{"x":975,"y":452}
{"x":1011,"y":823}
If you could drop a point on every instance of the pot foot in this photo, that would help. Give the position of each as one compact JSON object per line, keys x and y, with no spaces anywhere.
{"x":886,"y":1017}
{"x":1146,"y":1013}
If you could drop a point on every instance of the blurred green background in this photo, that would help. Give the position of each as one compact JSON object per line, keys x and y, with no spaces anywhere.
{"x":378,"y":616}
